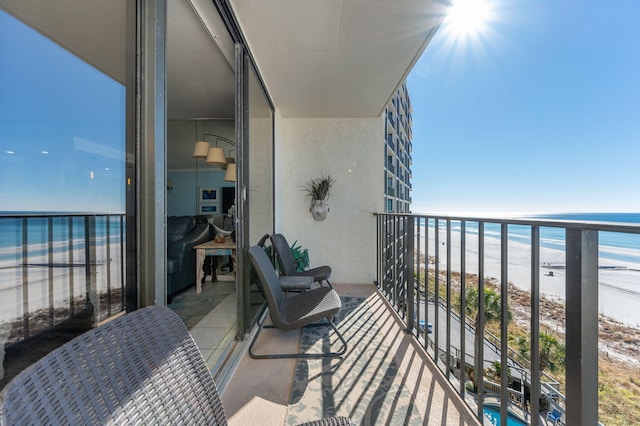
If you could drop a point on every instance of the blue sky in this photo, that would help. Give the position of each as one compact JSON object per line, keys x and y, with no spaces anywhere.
{"x":62,"y":132}
{"x":539,"y":111}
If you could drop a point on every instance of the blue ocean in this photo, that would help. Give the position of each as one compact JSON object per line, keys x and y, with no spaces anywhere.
{"x":42,"y":234}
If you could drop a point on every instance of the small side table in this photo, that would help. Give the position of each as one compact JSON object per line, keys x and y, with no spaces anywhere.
{"x":211,"y":248}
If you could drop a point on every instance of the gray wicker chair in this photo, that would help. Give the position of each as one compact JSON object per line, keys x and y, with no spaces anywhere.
{"x":142,"y":368}
{"x":287,"y":263}
{"x":295,"y":312}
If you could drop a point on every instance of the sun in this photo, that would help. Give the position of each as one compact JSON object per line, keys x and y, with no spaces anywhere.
{"x":468,"y":18}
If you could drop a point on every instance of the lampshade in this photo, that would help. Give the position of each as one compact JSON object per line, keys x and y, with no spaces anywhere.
{"x":201,"y":150}
{"x":229,"y":159}
{"x":215,"y":157}
{"x":230,"y":174}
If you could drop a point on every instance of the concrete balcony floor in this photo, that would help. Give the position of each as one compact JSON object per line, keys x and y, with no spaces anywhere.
{"x":384,"y":378}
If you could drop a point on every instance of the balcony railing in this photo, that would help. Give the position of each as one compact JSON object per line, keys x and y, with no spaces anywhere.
{"x":428,"y":283}
{"x":56,"y":267}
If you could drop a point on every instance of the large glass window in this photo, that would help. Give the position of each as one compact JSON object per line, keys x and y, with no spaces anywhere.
{"x":63,"y":162}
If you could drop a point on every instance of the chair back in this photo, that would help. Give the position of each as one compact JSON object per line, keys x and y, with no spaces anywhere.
{"x":285,"y":259}
{"x":141,"y":368}
{"x":270,"y":282}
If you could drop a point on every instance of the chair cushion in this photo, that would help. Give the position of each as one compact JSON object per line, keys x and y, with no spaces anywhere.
{"x":308,"y":307}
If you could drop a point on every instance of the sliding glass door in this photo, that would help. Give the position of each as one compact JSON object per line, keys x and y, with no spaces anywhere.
{"x":256,"y":195}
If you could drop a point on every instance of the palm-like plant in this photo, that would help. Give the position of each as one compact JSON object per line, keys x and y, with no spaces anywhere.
{"x":552,"y":352}
{"x":318,"y":188}
{"x":492,"y":312}
{"x":300,"y":256}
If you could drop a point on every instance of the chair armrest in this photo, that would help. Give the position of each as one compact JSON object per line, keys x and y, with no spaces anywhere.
{"x":295,"y":282}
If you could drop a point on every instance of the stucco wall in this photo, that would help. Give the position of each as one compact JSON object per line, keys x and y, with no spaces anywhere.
{"x":351,"y":151}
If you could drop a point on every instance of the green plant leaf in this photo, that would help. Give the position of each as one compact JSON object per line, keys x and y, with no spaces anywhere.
{"x":300,"y":256}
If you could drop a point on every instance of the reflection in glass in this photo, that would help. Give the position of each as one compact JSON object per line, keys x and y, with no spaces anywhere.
{"x":62,"y":187}
{"x":260,"y":185}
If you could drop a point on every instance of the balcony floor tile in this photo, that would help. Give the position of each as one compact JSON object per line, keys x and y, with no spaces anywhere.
{"x":384,"y":378}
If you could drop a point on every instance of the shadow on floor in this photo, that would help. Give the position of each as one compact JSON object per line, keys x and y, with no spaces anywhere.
{"x":193,"y":307}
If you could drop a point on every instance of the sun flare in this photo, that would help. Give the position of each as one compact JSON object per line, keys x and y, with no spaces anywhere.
{"x":468,"y":18}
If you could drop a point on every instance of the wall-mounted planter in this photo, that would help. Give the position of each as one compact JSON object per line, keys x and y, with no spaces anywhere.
{"x":318,"y":190}
{"x":319,"y":209}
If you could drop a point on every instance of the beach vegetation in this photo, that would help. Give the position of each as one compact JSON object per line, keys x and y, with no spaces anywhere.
{"x":492,"y":305}
{"x":552,"y":352}
{"x":495,"y":371}
{"x":618,"y":375}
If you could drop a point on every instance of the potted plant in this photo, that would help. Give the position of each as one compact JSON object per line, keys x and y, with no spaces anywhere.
{"x":318,"y":190}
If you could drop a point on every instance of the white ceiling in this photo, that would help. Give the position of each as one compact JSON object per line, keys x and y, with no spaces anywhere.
{"x":200,"y":79}
{"x":336,"y":58}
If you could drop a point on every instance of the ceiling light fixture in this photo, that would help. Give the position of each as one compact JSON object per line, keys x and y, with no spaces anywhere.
{"x":215,"y":155}
{"x":230,"y":174}
{"x":201,"y":150}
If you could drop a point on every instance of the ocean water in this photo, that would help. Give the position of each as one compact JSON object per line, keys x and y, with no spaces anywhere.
{"x":613,"y":245}
{"x":43,"y":262}
{"x":619,"y":259}
{"x":40,"y":233}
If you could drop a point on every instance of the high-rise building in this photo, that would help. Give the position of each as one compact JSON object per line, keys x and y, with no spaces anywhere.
{"x":397,"y":153}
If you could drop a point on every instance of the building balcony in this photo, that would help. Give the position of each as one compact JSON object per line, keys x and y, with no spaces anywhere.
{"x":385,"y":377}
{"x":426,"y":264}
{"x":413,"y":355}
{"x":415,"y":311}
{"x":413,"y":340}
{"x":391,"y":168}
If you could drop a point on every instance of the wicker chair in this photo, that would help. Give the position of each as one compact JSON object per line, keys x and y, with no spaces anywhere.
{"x":287,"y":263}
{"x":141,"y":368}
{"x":295,"y":312}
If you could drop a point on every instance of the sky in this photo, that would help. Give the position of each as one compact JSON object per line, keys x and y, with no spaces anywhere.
{"x":533,"y":109}
{"x":537,"y":110}
{"x":62,"y":132}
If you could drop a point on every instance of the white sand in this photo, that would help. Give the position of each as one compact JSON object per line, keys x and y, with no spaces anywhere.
{"x":619,"y":290}
{"x":12,"y":301}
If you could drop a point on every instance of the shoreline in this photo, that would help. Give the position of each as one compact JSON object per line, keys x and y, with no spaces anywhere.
{"x":619,"y":282}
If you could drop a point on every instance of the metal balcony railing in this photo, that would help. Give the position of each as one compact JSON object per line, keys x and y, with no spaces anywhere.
{"x":415,"y":272}
{"x":57,"y":266}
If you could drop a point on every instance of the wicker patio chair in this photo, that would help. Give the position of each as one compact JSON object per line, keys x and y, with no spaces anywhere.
{"x":142,"y":368}
{"x":298,"y":283}
{"x":287,"y":263}
{"x":295,"y":312}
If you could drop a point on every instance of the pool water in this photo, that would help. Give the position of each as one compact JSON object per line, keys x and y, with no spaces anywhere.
{"x":493,"y":414}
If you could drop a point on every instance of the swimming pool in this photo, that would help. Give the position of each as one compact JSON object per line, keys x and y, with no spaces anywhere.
{"x":493,"y":414}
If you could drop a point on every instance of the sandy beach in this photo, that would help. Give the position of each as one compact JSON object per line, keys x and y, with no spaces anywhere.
{"x":619,"y":289}
{"x":70,"y":282}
